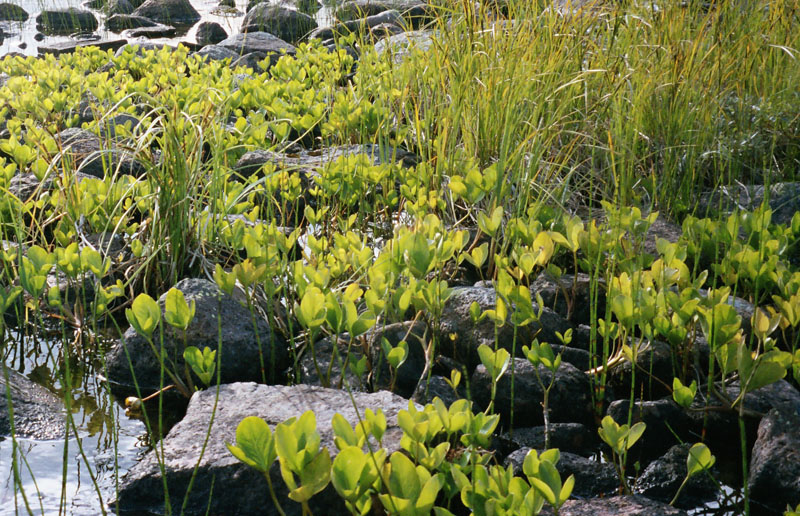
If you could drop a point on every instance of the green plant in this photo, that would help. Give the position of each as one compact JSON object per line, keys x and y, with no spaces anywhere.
{"x":620,"y":438}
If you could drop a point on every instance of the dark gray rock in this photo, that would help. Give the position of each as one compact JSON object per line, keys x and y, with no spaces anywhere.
{"x":385,"y":30}
{"x":417,"y":337}
{"x":591,"y":477}
{"x":169,"y":12}
{"x":578,"y":357}
{"x":258,"y":42}
{"x":227,"y":3}
{"x":210,"y":33}
{"x":662,"y":417}
{"x":784,"y":200}
{"x":567,"y":437}
{"x":120,"y":22}
{"x":330,"y":366}
{"x":662,"y":478}
{"x":415,"y":12}
{"x":239,"y":489}
{"x":12,"y":12}
{"x":38,"y":413}
{"x":26,"y":186}
{"x":108,"y":126}
{"x":400,"y":46}
{"x":438,"y":387}
{"x":287,"y":24}
{"x":365,"y":25}
{"x":308,"y":161}
{"x":655,"y":370}
{"x":627,"y":505}
{"x":85,"y":151}
{"x":255,"y":61}
{"x":158,"y":30}
{"x":570,"y":400}
{"x":244,"y":348}
{"x":217,"y":53}
{"x":569,"y":296}
{"x":774,"y":478}
{"x":459,"y":337}
{"x":119,"y":7}
{"x":65,"y":21}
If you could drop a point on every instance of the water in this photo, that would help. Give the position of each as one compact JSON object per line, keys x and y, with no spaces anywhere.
{"x":111,"y":443}
{"x":20,"y":36}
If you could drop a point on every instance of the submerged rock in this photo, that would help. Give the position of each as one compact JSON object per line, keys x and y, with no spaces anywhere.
{"x":237,"y":488}
{"x":774,"y":478}
{"x":12,"y":12}
{"x":287,"y":24}
{"x":38,"y":413}
{"x":244,"y":348}
{"x":169,"y":12}
{"x":61,"y":21}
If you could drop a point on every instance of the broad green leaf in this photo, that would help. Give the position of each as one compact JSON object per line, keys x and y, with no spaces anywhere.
{"x":255,"y":445}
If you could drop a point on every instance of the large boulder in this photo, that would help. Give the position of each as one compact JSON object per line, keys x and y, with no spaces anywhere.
{"x":570,"y":437}
{"x":217,"y":53}
{"x":287,"y":24}
{"x":570,"y":397}
{"x":38,"y":413}
{"x":219,"y":321}
{"x":12,"y":12}
{"x":400,"y":46}
{"x":258,"y":42}
{"x":65,"y":21}
{"x":774,"y":478}
{"x":210,"y":33}
{"x":169,"y":12}
{"x":220,"y":484}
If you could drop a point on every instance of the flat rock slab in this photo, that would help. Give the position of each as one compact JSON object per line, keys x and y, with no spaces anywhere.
{"x":257,"y":42}
{"x":38,"y":413}
{"x":67,"y":47}
{"x":618,"y":506}
{"x":239,"y":489}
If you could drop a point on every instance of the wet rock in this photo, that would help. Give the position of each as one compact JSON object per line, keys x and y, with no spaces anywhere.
{"x":662,"y":478}
{"x":158,"y":30}
{"x":237,"y":488}
{"x":38,"y":413}
{"x":569,"y":296}
{"x":627,"y":505}
{"x":784,"y":200}
{"x":66,"y":21}
{"x":570,"y":399}
{"x":12,"y":12}
{"x":119,"y":7}
{"x":169,"y":12}
{"x":258,"y":42}
{"x":417,"y":336}
{"x":774,"y":478}
{"x":210,"y":33}
{"x":330,"y":366}
{"x":567,"y":437}
{"x":591,"y":478}
{"x":459,"y":337}
{"x":244,"y":348}
{"x":400,"y":46}
{"x":365,"y":24}
{"x":415,"y":12}
{"x":287,"y":24}
{"x":662,"y":417}
{"x":306,"y":162}
{"x":217,"y":53}
{"x":120,"y":22}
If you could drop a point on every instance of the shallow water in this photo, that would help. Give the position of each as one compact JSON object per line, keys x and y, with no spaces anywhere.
{"x":55,"y":478}
{"x":19,"y":37}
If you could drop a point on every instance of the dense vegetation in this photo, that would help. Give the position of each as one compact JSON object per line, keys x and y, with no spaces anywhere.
{"x":531,"y":141}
